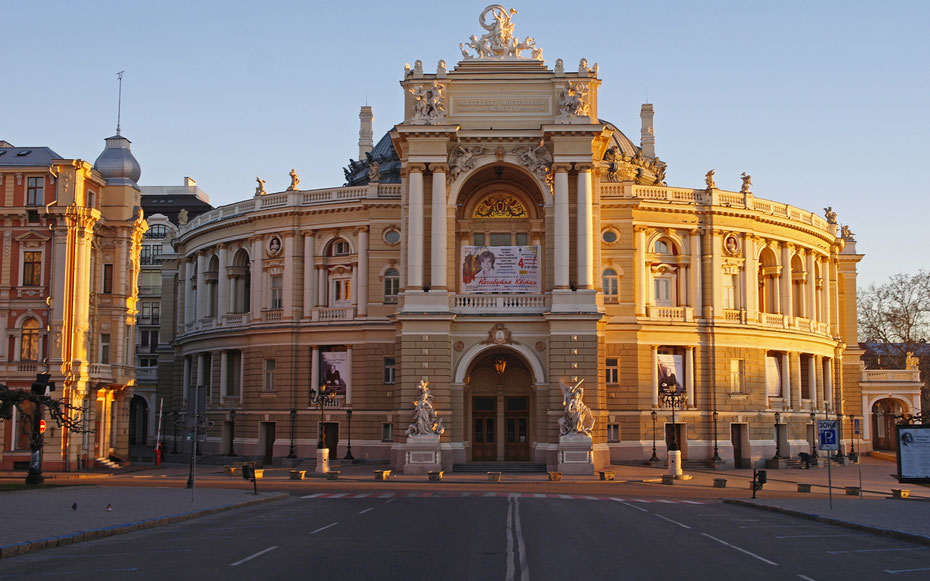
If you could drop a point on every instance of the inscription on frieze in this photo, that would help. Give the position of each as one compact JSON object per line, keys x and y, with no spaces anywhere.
{"x":464,"y":105}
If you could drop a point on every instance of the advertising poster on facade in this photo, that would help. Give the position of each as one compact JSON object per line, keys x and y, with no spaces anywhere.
{"x":671,"y":373}
{"x":914,"y":453}
{"x":772,"y":376}
{"x":335,"y":371}
{"x":500,"y":269}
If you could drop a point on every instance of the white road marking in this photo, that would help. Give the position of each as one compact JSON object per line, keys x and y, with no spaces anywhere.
{"x":392,"y":500}
{"x":812,"y":536}
{"x":741,"y":550}
{"x":877,"y":550}
{"x":362,"y":495}
{"x":366,"y":510}
{"x":633,"y":506}
{"x":566,"y":496}
{"x":250,"y":557}
{"x":778,"y":527}
{"x":324,"y":528}
{"x":313,"y":495}
{"x":510,"y":568}
{"x":895,"y":571}
{"x":337,"y":495}
{"x":805,"y":577}
{"x":386,"y":495}
{"x":514,"y":528}
{"x":524,"y":565}
{"x":672,"y":521}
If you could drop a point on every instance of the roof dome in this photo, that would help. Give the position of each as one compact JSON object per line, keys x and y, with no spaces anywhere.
{"x":117,"y":163}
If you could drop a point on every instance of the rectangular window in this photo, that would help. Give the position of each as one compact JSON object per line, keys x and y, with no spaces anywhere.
{"x":277,"y":301}
{"x":729,"y":291}
{"x":737,"y":367}
{"x":500,"y":238}
{"x":105,"y":348}
{"x":391,"y":286}
{"x":233,"y":364}
{"x":387,"y":432}
{"x":612,"y":371}
{"x":521,"y":239}
{"x":341,"y":292}
{"x":663,"y":291}
{"x":35,"y":191}
{"x":269,"y":375}
{"x":108,"y":278}
{"x":479,"y":238}
{"x":613,"y":432}
{"x":149,"y":253}
{"x":389,"y":370}
{"x":32,"y":268}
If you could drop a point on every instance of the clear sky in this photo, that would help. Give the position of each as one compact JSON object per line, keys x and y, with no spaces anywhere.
{"x":824,"y":103}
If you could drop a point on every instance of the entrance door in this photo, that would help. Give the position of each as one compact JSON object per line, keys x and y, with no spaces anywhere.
{"x":484,"y":417}
{"x":138,"y":420}
{"x":884,"y":434}
{"x":331,"y":431}
{"x":516,"y":427}
{"x":268,"y":441}
{"x":736,"y":438}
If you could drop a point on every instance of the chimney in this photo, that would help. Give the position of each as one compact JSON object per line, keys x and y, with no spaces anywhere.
{"x":190,"y":182}
{"x":365,"y":142}
{"x":648,"y":138}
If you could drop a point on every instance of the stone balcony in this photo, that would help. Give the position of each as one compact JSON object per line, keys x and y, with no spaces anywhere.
{"x":516,"y":304}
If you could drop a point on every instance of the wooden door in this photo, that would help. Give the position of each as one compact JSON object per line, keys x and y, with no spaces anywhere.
{"x":483,"y":438}
{"x":516,"y":428}
{"x":736,"y":438}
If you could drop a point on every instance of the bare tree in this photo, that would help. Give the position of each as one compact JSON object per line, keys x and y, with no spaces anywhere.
{"x":894,"y":320}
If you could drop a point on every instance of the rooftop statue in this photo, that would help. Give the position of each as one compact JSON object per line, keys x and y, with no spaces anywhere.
{"x":709,"y":180}
{"x":577,"y":417}
{"x":426,"y":422}
{"x":294,"y":180}
{"x":747,"y":183}
{"x":499,"y":42}
{"x":830,"y":215}
{"x":430,"y":104}
{"x":260,"y":190}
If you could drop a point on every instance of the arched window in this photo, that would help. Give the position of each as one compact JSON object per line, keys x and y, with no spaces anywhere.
{"x":212,"y":284}
{"x":768,"y":282}
{"x":391,"y":286}
{"x":29,"y":347}
{"x":338,"y":247}
{"x":611,"y":285}
{"x":241,"y":287}
{"x":157,"y":231}
{"x":798,"y":286}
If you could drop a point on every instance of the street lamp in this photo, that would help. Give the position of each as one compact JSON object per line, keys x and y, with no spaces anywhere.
{"x":839,"y":429}
{"x":852,"y":452}
{"x":777,"y":439}
{"x":321,"y":397}
{"x":674,"y":399}
{"x":290,"y":452}
{"x":349,"y":450}
{"x":814,"y":433}
{"x":232,"y":432}
{"x":654,"y":457}
{"x":716,"y":457}
{"x":174,"y":432}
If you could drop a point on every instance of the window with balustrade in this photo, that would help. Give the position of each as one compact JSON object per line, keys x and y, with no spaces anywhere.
{"x":665,"y":265}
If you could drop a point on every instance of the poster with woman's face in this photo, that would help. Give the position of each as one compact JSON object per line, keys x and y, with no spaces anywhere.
{"x":335,"y":371}
{"x":500,"y":269}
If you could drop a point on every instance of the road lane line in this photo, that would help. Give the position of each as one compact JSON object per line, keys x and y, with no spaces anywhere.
{"x":521,"y":547}
{"x":386,"y":495}
{"x":366,"y":510}
{"x":779,"y":527}
{"x":639,"y":508}
{"x":675,"y":522}
{"x":566,"y":496}
{"x":877,"y":550}
{"x":893,"y":571}
{"x":662,"y":500}
{"x":362,"y":495}
{"x":337,"y":495}
{"x":393,"y":498}
{"x":509,"y":576}
{"x":805,"y":577}
{"x":250,"y":557}
{"x":741,"y":550}
{"x":812,"y":536}
{"x":324,"y":528}
{"x":318,"y":494}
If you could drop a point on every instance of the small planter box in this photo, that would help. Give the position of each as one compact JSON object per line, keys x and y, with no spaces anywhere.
{"x":298,"y":474}
{"x":332,"y":475}
{"x":435,"y":476}
{"x":852,"y":491}
{"x":382,"y":474}
{"x":804,"y":487}
{"x":232,"y":470}
{"x":900,"y":493}
{"x":607,"y":475}
{"x":720,"y":482}
{"x":259,"y":473}
{"x":555,"y":477}
{"x":668,"y":479}
{"x":494,"y":476}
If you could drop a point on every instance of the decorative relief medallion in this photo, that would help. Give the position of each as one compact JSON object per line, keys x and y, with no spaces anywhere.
{"x":499,"y":335}
{"x":500,"y":206}
{"x":731,"y":244}
{"x":458,"y":346}
{"x":273,"y":246}
{"x":540,"y":346}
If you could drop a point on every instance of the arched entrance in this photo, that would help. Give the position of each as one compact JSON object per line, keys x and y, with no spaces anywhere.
{"x":884,"y":435}
{"x":498,"y":404}
{"x":138,"y":420}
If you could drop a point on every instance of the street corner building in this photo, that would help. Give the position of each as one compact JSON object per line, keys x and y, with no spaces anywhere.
{"x":71,"y":234}
{"x":526,"y":259}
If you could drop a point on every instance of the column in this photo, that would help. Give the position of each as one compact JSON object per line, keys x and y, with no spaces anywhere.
{"x":186,"y":380}
{"x":811,"y":290}
{"x":222,"y":281}
{"x":812,"y":378}
{"x":258,"y":281}
{"x":695,"y":271}
{"x":585,"y":228}
{"x":655,"y":376}
{"x":224,"y":371}
{"x":415,"y":227}
{"x":202,"y":292}
{"x":349,"y":378}
{"x":309,"y":276}
{"x":561,"y":241}
{"x":314,"y":367}
{"x":835,"y":297}
{"x":363,"y":271}
{"x":786,"y":380}
{"x":795,"y":359}
{"x":751,"y":279}
{"x":640,"y":276}
{"x":187,"y":295}
{"x":287,"y":279}
{"x":439,"y":243}
{"x":321,"y":281}
{"x":787,"y":308}
{"x":825,"y":291}
{"x":689,"y":376}
{"x":201,"y":371}
{"x":828,"y":383}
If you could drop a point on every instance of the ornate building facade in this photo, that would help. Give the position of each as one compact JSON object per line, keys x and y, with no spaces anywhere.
{"x":71,"y":234}
{"x":499,"y":239}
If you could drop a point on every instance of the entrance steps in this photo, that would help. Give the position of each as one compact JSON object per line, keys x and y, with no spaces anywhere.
{"x":504,"y":467}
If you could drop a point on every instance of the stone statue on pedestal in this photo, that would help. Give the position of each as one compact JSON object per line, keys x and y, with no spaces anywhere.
{"x":426,"y":422}
{"x":577,"y":417}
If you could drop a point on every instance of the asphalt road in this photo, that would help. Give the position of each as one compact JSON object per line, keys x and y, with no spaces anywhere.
{"x":421,"y":535}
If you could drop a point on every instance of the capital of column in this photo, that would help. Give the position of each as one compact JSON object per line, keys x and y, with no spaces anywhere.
{"x":439,"y":167}
{"x":361,"y":228}
{"x":416,"y":167}
{"x":582,"y":167}
{"x":561,"y":167}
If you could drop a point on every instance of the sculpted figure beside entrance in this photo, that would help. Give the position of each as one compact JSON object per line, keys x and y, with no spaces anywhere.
{"x":426,"y":422}
{"x":577,"y":417}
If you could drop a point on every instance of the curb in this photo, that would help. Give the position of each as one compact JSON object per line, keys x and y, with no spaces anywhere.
{"x":901,"y":535}
{"x":24,"y":547}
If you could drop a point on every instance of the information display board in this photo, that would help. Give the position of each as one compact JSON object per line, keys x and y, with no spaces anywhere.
{"x":914,"y":453}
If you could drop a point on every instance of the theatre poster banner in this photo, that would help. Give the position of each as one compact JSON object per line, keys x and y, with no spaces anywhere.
{"x":501,"y":269}
{"x":335,"y":371}
{"x":671,"y":372}
{"x":914,"y":453}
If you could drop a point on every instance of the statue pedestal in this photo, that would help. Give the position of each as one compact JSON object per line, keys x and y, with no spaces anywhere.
{"x":422,"y":454}
{"x":576,"y":455}
{"x":322,"y":460}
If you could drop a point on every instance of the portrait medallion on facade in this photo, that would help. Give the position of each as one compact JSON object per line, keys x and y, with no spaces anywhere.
{"x":731,"y":245}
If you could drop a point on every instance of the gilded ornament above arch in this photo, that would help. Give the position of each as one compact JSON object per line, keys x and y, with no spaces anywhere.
{"x":501,"y":206}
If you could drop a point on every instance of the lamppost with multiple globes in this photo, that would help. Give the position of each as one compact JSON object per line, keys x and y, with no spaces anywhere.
{"x":291,"y":453}
{"x":349,"y":449}
{"x":716,"y":457}
{"x":654,"y":457}
{"x":777,"y":439}
{"x":674,"y":399}
{"x":232,"y":432}
{"x":323,"y":398}
{"x":814,"y":434}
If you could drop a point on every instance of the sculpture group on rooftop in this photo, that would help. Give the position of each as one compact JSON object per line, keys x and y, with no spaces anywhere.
{"x":499,"y":41}
{"x":709,"y":180}
{"x":429,"y":107}
{"x":294,"y":180}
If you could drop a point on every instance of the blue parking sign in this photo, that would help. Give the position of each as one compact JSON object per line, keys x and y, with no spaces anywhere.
{"x":828,"y":435}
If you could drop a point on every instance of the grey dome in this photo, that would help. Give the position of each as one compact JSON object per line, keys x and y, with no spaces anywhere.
{"x":117,"y":163}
